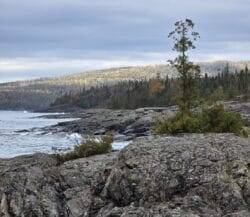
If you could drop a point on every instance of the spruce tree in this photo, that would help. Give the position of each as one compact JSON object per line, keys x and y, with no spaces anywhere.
{"x":184,"y":37}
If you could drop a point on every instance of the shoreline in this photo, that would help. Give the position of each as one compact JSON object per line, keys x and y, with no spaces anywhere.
{"x":130,"y":124}
{"x":126,"y":125}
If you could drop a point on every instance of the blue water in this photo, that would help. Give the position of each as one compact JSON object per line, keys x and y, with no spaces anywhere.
{"x":13,"y":143}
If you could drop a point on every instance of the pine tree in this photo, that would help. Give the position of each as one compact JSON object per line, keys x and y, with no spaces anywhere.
{"x":184,"y":38}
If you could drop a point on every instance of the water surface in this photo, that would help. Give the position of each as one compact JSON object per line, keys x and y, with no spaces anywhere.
{"x":14,"y":143}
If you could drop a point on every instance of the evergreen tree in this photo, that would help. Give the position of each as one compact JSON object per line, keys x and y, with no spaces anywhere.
{"x":184,"y":37}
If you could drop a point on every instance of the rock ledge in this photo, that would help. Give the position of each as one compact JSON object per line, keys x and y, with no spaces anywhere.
{"x":189,"y":175}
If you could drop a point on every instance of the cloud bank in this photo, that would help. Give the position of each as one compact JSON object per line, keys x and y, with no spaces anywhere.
{"x":48,"y":38}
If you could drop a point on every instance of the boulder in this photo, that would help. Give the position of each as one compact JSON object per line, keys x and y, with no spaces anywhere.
{"x":38,"y":186}
{"x":191,"y":175}
{"x":78,"y":176}
{"x":30,"y":186}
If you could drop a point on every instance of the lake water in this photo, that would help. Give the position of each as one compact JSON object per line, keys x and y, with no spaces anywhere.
{"x":13,"y":143}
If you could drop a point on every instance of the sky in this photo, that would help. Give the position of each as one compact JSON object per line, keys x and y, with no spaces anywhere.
{"x":57,"y":37}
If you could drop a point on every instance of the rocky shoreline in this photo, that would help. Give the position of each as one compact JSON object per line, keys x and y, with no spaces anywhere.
{"x":125,"y":124}
{"x":186,"y":176}
{"x":189,"y":175}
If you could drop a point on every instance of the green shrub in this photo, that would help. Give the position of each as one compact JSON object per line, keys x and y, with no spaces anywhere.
{"x":181,"y":123}
{"x":90,"y":146}
{"x":212,"y":119}
{"x":216,"y":119}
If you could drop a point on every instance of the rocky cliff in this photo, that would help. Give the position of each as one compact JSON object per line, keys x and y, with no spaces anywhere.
{"x":189,"y":175}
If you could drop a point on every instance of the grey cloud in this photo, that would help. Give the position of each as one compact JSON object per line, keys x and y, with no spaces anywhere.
{"x":108,"y":29}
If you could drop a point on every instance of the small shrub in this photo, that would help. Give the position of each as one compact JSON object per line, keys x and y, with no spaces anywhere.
{"x":90,"y":146}
{"x":212,"y":119}
{"x":181,"y":123}
{"x":216,"y":119}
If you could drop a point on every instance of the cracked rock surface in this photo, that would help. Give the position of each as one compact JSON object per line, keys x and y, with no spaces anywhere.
{"x":185,"y":176}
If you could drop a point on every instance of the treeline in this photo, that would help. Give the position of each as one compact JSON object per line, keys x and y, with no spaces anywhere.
{"x":31,"y":96}
{"x":226,"y":85}
{"x":25,"y":100}
{"x":124,"y":94}
{"x":158,"y":92}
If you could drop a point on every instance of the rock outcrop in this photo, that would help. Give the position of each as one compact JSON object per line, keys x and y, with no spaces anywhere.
{"x":192,"y":175}
{"x":38,"y":186}
{"x":185,"y":176}
{"x":126,"y":124}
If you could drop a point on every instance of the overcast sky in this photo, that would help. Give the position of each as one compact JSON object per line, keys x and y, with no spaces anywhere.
{"x":54,"y":37}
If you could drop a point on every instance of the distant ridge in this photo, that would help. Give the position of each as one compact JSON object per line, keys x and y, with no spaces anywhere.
{"x":39,"y":93}
{"x":95,"y":77}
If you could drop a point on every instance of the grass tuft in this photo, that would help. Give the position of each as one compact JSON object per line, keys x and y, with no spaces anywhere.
{"x":90,"y":146}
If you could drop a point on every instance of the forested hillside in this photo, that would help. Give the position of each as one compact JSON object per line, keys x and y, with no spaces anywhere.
{"x":40,"y":93}
{"x":159,"y":91}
